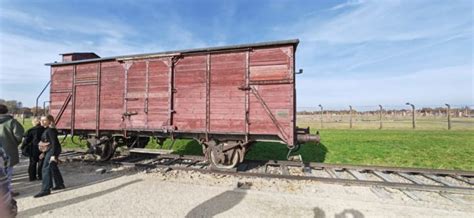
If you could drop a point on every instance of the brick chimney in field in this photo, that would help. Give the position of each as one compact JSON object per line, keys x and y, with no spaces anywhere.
{"x":76,"y":56}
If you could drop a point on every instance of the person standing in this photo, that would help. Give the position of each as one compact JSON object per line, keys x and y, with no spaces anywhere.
{"x":51,"y":149}
{"x":29,"y":148}
{"x":8,"y":206}
{"x":11,"y":133}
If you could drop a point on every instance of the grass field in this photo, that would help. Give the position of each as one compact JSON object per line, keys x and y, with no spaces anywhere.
{"x":440,"y":149}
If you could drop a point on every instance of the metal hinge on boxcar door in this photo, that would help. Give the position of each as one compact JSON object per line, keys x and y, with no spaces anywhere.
{"x":130,"y":113}
{"x":244,"y":88}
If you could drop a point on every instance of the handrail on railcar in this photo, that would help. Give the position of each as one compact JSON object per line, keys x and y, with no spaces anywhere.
{"x":37,"y":98}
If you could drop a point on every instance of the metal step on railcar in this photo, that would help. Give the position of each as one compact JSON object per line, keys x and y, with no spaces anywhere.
{"x":150,"y":151}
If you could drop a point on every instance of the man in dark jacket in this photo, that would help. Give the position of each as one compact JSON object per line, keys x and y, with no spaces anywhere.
{"x":11,"y":133}
{"x":29,"y":148}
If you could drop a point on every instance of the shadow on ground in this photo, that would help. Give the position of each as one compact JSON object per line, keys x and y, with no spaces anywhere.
{"x":26,"y":188}
{"x":218,"y":204}
{"x":347,"y":213}
{"x":60,"y":204}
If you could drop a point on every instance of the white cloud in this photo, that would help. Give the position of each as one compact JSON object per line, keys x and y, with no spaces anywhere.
{"x":23,"y":18}
{"x":389,"y":21}
{"x":348,"y":4}
{"x":22,"y":57}
{"x":68,"y":24}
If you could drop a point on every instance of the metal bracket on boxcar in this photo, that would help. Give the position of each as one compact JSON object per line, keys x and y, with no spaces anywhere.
{"x":299,"y":72}
{"x":131,"y":99}
{"x":244,"y":88}
{"x":131,"y":113}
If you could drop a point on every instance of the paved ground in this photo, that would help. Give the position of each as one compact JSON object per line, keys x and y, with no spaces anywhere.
{"x":129,"y":193}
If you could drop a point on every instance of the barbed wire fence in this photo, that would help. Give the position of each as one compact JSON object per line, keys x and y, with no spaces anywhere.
{"x":408,"y":116}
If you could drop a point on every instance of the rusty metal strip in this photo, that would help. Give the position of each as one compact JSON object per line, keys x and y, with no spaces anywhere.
{"x":247,"y":97}
{"x":148,"y":56}
{"x":132,"y":99}
{"x":127,"y":67}
{"x":97,"y":118}
{"x":145,"y":106}
{"x":89,"y":78}
{"x":170,"y":90}
{"x":62,"y":91}
{"x":271,"y":82}
{"x":73,"y":106}
{"x":269,"y":113}
{"x":85,"y":83}
{"x":86,"y":79}
{"x":208,"y":95}
{"x":237,"y":50}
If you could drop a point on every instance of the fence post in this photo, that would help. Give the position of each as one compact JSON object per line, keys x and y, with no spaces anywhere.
{"x":350,"y":116}
{"x":381,"y":111}
{"x":321,"y":115}
{"x":413,"y":114}
{"x":45,"y":112}
{"x":448,"y":112}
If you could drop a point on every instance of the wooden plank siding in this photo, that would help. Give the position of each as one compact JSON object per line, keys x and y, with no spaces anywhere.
{"x":111,"y":95}
{"x":144,"y":89}
{"x":61,"y":87}
{"x":272,"y":64}
{"x":190,"y":96}
{"x":227,"y":101}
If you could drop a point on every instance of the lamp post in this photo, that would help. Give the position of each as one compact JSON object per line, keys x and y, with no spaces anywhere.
{"x":412,"y":113}
{"x":381,"y":111}
{"x":44,"y":107}
{"x":448,"y":112}
{"x":321,"y":115}
{"x":350,"y":116}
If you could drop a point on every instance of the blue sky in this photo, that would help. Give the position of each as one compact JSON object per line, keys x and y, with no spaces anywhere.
{"x":353,"y":52}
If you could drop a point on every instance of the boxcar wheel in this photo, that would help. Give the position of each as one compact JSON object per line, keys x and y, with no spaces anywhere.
{"x":224,"y":160}
{"x":108,"y":150}
{"x":102,"y":151}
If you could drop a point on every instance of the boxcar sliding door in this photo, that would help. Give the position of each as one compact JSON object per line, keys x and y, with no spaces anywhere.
{"x":147,"y":94}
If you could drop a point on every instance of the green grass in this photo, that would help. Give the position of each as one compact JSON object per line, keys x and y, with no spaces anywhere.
{"x":439,"y":149}
{"x":400,"y":148}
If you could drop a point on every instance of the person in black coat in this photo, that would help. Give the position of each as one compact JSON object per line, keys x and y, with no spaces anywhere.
{"x":51,"y":149}
{"x":29,"y":148}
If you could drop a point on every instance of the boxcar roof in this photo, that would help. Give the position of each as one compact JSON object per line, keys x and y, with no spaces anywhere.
{"x":208,"y":49}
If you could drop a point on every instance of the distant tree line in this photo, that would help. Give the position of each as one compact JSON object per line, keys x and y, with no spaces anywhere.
{"x":16,"y":107}
{"x":466,"y":111}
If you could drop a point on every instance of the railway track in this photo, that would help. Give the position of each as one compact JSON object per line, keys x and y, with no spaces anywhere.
{"x":449,"y":181}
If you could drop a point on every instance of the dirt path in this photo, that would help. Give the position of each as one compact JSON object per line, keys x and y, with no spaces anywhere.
{"x":129,"y":193}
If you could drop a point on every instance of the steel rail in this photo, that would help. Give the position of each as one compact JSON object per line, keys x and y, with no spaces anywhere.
{"x":168,"y":162}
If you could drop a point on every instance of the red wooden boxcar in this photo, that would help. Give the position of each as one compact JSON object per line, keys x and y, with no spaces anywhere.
{"x":224,"y":97}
